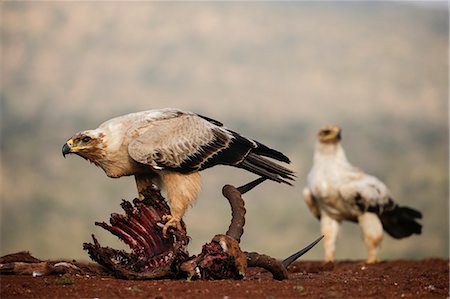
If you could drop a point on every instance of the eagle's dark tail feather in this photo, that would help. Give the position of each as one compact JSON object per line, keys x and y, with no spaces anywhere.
{"x":268,"y":169}
{"x":271,"y":153}
{"x":400,"y":222}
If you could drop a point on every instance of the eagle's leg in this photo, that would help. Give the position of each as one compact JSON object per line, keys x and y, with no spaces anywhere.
{"x":181,"y":190}
{"x":330,"y":230}
{"x":372,"y":231}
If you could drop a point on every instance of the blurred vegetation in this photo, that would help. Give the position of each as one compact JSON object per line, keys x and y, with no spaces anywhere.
{"x":275,"y":72}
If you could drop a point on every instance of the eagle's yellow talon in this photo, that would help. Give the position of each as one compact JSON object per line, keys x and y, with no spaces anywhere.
{"x":170,"y":222}
{"x":371,"y":261}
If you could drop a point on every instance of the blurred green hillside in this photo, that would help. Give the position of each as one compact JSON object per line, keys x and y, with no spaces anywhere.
{"x":272,"y":71}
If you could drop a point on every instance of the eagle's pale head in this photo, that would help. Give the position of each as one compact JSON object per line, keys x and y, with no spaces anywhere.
{"x":329,"y":135}
{"x":87,"y":144}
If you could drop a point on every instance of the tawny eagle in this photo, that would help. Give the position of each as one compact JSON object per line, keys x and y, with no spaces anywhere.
{"x":168,"y":148}
{"x":338,"y":191}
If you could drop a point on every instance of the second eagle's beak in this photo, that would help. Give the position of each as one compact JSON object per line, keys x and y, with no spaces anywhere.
{"x":66,"y":149}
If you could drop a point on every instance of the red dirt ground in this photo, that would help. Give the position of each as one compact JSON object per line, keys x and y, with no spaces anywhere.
{"x":427,"y":278}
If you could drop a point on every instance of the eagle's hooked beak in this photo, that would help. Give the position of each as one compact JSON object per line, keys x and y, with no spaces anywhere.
{"x":67,"y":148}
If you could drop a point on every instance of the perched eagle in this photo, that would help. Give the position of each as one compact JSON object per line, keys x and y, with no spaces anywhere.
{"x":168,"y":148}
{"x":338,"y":191}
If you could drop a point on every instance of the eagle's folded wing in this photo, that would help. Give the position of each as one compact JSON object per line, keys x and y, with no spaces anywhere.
{"x":311,"y":202}
{"x":367,"y":192}
{"x":187,"y":142}
{"x":183,"y":143}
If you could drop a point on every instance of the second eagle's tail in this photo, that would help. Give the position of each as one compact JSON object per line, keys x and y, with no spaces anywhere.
{"x":401,"y":222}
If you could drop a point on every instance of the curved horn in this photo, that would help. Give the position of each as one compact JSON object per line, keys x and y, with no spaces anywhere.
{"x":236,"y":228}
{"x":272,"y":265}
{"x":249,"y":186}
{"x":299,"y":253}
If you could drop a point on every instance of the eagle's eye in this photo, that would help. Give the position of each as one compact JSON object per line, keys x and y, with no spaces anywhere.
{"x":326,"y":132}
{"x":86,"y":139}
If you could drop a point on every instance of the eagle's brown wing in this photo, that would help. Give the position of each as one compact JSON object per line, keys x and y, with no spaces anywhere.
{"x":183,"y":143}
{"x":189,"y":142}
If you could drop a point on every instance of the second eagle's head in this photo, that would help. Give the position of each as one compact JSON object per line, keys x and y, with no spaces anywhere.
{"x":329,"y":135}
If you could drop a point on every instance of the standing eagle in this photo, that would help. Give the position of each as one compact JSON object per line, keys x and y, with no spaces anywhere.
{"x":168,"y":148}
{"x":338,"y":191}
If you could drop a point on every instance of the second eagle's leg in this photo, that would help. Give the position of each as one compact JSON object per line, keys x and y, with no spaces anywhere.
{"x":181,"y":190}
{"x":330,"y":230}
{"x":372,"y":231}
